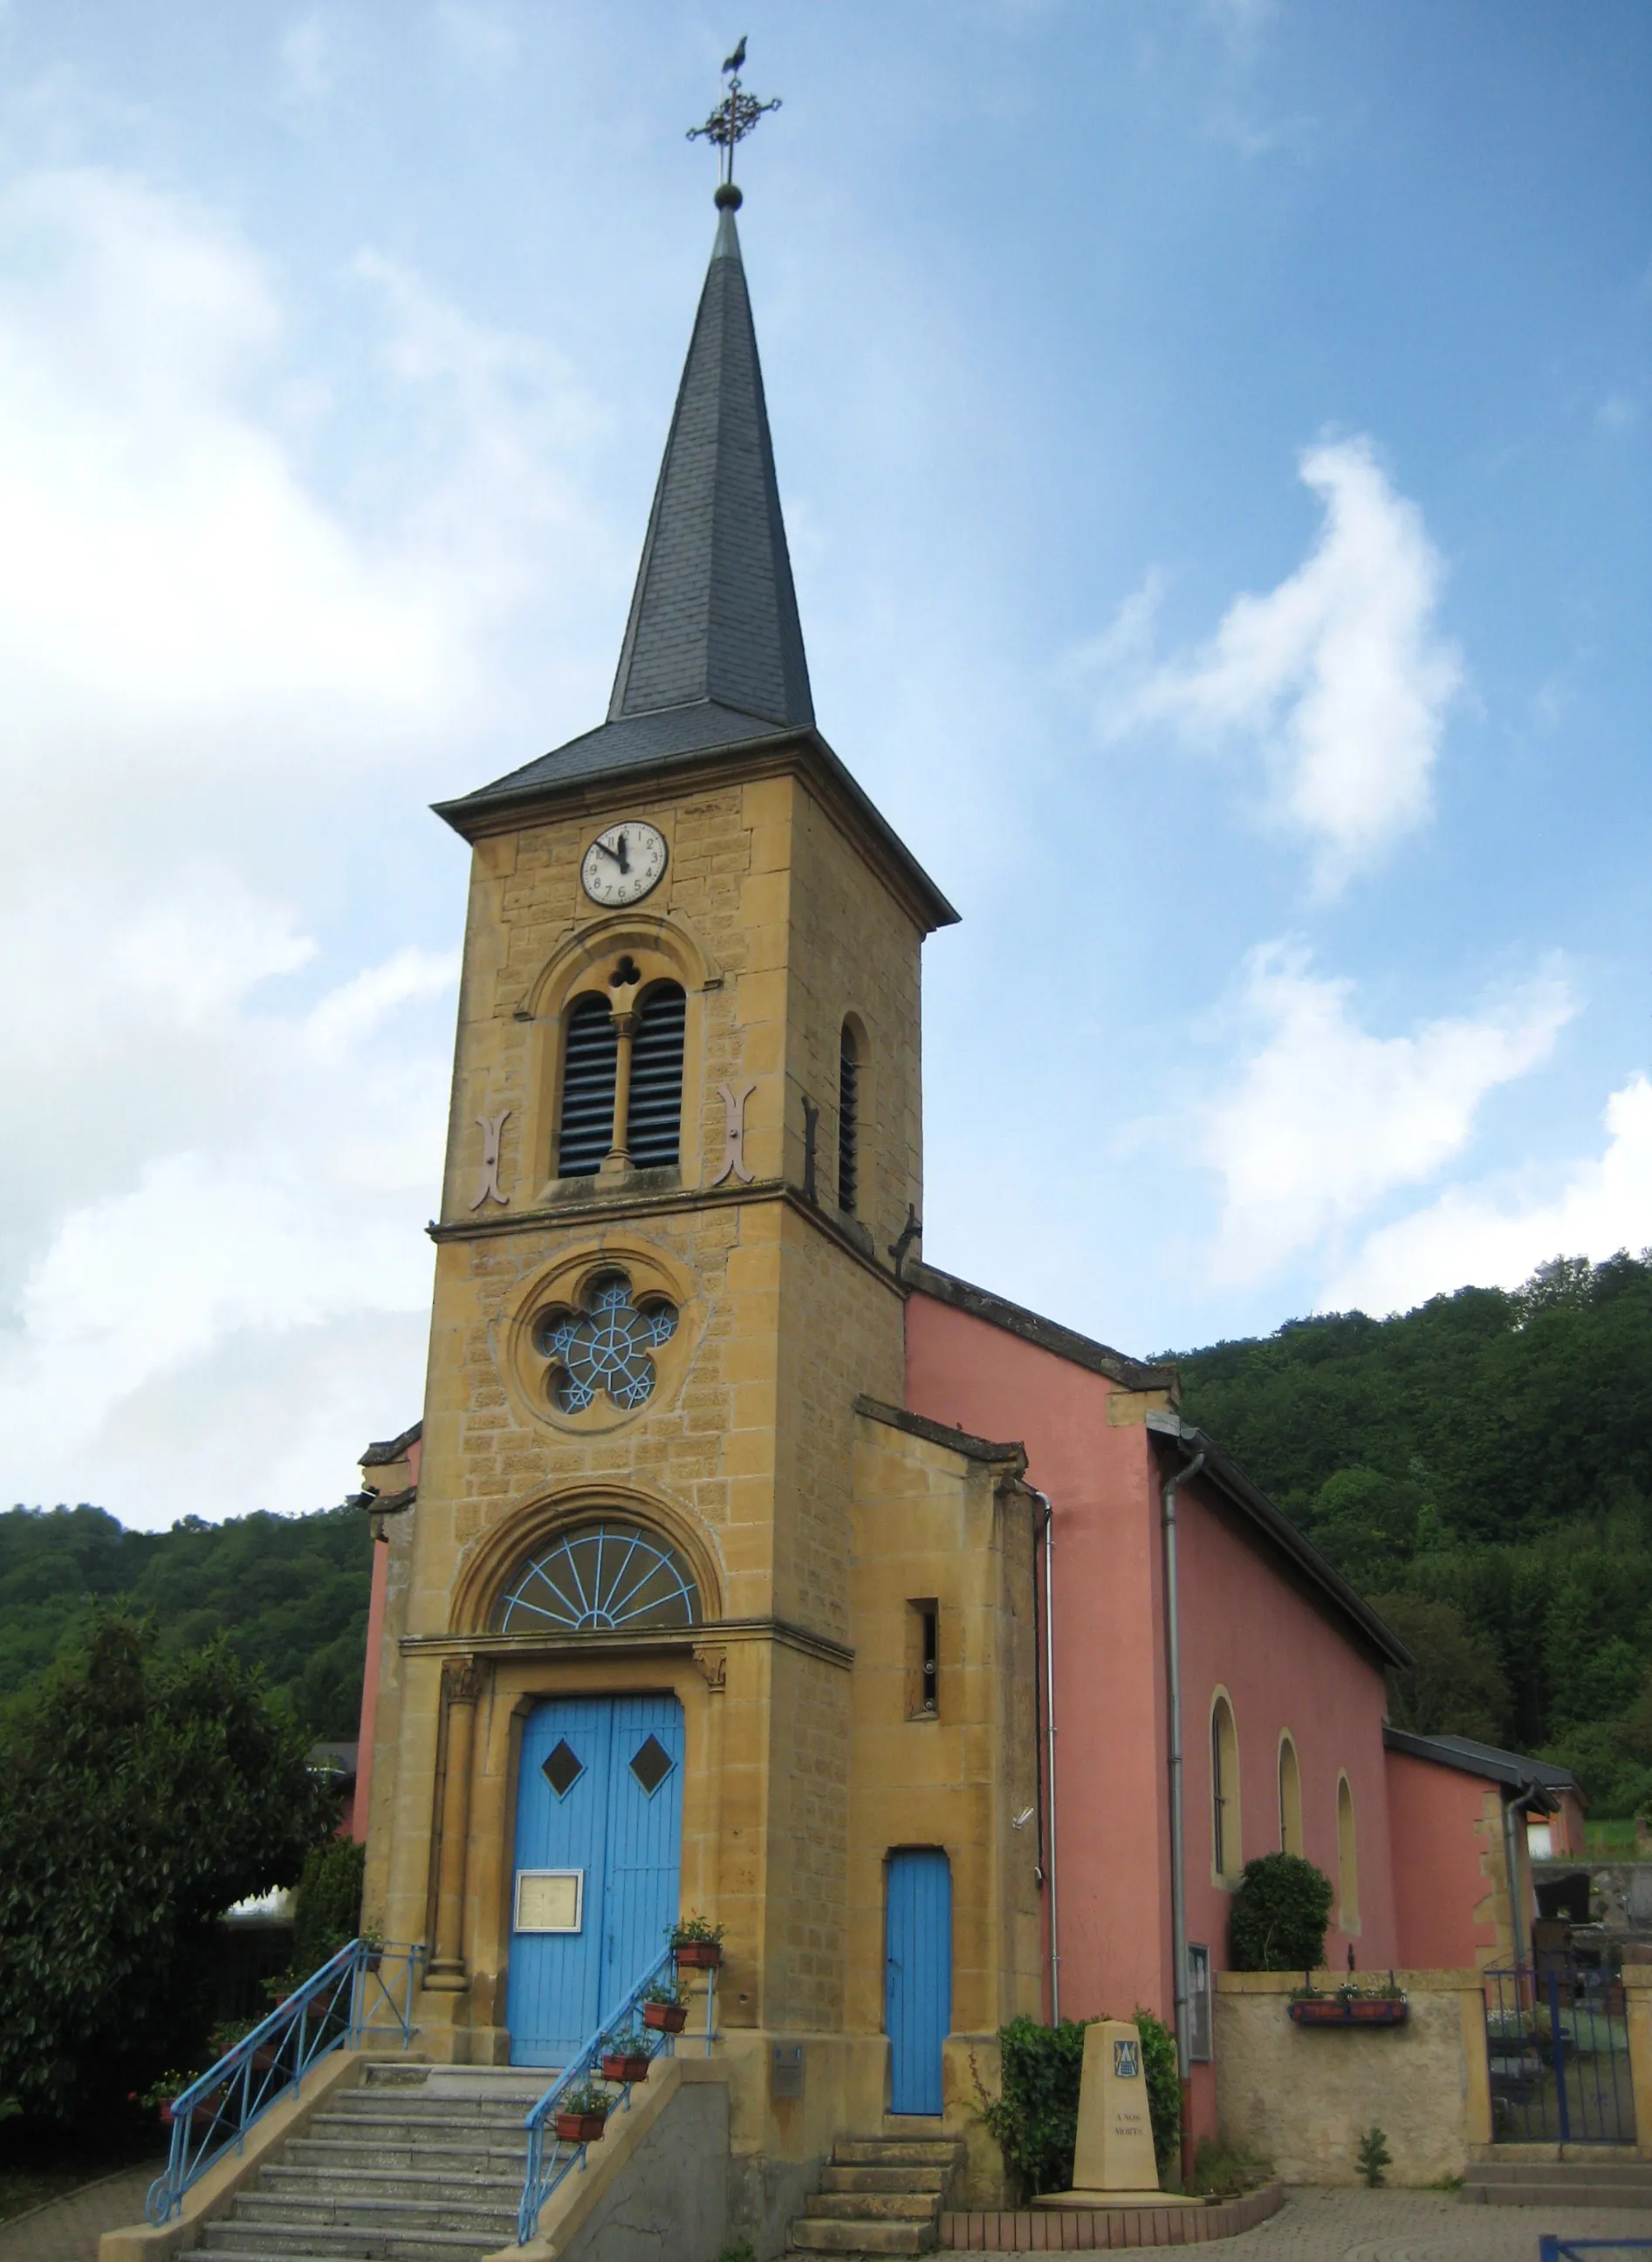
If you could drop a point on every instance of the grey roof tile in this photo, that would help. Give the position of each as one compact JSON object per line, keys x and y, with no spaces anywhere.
{"x":713,"y":652}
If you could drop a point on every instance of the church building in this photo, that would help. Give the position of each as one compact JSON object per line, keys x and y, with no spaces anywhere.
{"x":744,"y":1562}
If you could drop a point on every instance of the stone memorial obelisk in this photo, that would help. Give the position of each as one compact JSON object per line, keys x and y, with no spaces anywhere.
{"x":1113,"y":2163}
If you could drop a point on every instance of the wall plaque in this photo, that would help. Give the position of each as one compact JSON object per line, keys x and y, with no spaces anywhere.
{"x":549,"y":1900}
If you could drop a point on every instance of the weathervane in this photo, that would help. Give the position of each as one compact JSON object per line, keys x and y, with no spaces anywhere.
{"x":734,"y":117}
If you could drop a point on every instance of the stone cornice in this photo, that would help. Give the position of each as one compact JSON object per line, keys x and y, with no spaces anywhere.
{"x":605,"y":1209}
{"x":643,"y":1641}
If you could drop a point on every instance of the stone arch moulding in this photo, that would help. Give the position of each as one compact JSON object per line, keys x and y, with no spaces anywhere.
{"x":490,"y":1561}
{"x":513,"y":1336}
{"x":660,"y":948}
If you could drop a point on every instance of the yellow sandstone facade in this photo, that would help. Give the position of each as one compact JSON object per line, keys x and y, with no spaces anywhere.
{"x":822,"y":1531}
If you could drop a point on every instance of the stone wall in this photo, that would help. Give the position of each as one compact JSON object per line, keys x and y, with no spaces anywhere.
{"x":1303,"y":2097}
{"x":670,"y":2200}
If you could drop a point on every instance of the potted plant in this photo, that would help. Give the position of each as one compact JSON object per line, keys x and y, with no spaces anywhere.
{"x":581,"y":2114}
{"x":697,"y":1945}
{"x":665,"y":2008}
{"x":625,"y":2059}
{"x":1348,"y":2007}
{"x":163,"y":2094}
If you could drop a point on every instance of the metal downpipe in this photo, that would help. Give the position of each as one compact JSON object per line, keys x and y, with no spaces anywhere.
{"x":1044,"y":1499}
{"x":1170,"y":1487}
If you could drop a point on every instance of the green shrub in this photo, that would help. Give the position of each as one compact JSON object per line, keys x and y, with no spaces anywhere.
{"x":330,"y":1903}
{"x":1281,"y":1909}
{"x":1375,"y":2156}
{"x":1036,"y":2116}
{"x":1225,"y":2170}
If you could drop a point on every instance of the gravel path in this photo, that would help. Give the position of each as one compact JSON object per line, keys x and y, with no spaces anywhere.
{"x":67,"y":2230}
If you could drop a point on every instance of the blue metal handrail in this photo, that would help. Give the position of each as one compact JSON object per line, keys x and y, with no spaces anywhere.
{"x":544,"y":2174}
{"x":336,"y":2007}
{"x":1573,"y":2250}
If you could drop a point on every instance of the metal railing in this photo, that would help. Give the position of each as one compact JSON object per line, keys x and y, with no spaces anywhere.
{"x":1573,"y":2250}
{"x":546,"y":2170}
{"x":354,"y":1993}
{"x":1557,"y":2049}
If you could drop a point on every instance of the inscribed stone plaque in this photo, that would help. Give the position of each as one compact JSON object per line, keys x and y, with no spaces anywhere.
{"x":1115,"y":2152}
{"x":785,"y":2069}
{"x":548,"y":1900}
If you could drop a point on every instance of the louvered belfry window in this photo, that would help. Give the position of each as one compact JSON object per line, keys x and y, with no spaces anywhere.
{"x":848,"y":1118}
{"x":587,"y":1088}
{"x":656,"y":1079}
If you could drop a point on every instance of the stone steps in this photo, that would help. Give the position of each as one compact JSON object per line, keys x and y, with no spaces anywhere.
{"x":914,"y":2178}
{"x":418,"y":2164}
{"x":1558,"y":2183}
{"x":879,"y":2195}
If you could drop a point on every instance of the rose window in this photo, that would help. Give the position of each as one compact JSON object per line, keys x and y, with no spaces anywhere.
{"x":603,"y":1346}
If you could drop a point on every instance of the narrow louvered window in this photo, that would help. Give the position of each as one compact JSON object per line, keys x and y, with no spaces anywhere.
{"x":656,"y":1079}
{"x":588,"y":1089}
{"x":848,"y":1118}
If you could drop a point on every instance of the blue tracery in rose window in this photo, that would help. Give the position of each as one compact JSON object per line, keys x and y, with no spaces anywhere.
{"x":604,"y":1346}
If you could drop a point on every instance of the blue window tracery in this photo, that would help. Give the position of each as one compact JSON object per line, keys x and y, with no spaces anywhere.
{"x":604,"y":1346}
{"x":597,"y":1579}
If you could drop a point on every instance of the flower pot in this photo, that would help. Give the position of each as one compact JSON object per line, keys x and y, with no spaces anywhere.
{"x":579,"y":2127}
{"x":697,"y":1955}
{"x":618,"y":2065}
{"x":1357,"y":2011}
{"x":205,"y":2109}
{"x":665,"y":2018}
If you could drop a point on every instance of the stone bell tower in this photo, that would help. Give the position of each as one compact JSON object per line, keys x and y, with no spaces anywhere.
{"x":684,"y":1155}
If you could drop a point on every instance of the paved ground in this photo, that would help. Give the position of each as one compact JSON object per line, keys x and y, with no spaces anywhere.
{"x":67,"y":2230}
{"x":1400,"y":2226}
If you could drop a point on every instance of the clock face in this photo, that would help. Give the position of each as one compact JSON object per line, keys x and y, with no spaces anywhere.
{"x":623,"y":863}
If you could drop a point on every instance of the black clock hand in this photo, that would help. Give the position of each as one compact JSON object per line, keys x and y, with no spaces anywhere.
{"x":624,"y":866}
{"x":614,"y":855}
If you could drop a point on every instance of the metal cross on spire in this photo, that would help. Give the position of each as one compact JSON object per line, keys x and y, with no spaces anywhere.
{"x":735,"y":117}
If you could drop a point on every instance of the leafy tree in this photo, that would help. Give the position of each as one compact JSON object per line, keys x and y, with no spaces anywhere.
{"x":1457,"y":1687}
{"x":146,"y":1793}
{"x":1483,"y":1466}
{"x":1280,"y":1908}
{"x":290,"y":1592}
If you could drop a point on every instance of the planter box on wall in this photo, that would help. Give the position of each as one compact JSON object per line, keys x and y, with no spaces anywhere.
{"x":1359,"y":2011}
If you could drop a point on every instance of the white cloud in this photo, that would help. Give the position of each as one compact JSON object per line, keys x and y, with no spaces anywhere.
{"x":1339,"y":676}
{"x":1326,"y":1120}
{"x":1496,"y":1233}
{"x":294,"y":1211}
{"x":222,"y":1133}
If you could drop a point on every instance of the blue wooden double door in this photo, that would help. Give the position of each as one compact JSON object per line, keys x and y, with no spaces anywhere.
{"x":598,"y":1864}
{"x":916,"y":1975}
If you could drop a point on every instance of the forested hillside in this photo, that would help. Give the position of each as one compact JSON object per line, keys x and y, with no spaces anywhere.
{"x":290,"y":1593}
{"x":1481,"y":1468}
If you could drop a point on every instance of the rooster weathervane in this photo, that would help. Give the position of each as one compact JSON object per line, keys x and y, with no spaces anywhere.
{"x":735,"y":117}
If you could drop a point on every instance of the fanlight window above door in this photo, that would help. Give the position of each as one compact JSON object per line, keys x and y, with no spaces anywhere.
{"x":598,"y":1579}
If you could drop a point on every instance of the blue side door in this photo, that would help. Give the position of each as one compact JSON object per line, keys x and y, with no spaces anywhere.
{"x":599,"y":1821}
{"x":918,"y":1976}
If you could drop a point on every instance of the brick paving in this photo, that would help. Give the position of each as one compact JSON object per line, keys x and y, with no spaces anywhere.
{"x":1403,"y":2226}
{"x":67,"y":2230}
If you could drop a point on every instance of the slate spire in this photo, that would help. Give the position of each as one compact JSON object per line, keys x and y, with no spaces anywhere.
{"x":714,"y":615}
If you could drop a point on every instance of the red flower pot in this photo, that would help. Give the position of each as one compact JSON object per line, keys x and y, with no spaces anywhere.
{"x":580,"y":2127}
{"x":697,"y":1955}
{"x":1359,"y":2011}
{"x":206,"y":2110}
{"x":665,"y":2018}
{"x":618,"y":2067}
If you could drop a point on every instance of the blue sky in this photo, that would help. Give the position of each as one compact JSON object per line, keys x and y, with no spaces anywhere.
{"x":1214,"y":440}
